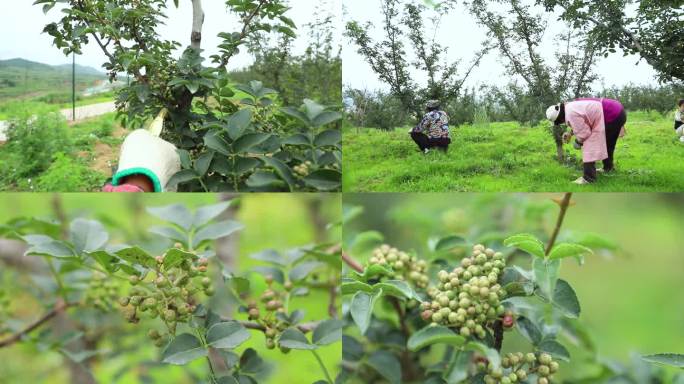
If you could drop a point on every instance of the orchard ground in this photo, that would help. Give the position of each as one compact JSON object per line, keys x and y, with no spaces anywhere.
{"x":504,"y":156}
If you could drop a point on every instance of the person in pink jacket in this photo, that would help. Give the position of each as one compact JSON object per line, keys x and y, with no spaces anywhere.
{"x":597,"y":124}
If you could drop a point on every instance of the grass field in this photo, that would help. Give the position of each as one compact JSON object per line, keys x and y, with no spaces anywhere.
{"x":508,"y":157}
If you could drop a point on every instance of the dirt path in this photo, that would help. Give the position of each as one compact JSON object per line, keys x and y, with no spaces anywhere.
{"x":83,"y":112}
{"x":105,"y":156}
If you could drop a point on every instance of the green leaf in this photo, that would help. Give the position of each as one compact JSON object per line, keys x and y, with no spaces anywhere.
{"x":246,"y":142}
{"x":330,"y":137}
{"x":104,"y":259}
{"x":434,"y":335}
{"x":239,"y":122}
{"x":52,"y":248}
{"x":262,"y":179}
{"x":563,"y":250}
{"x":327,"y":332}
{"x":361,"y":308}
{"x":555,"y":349}
{"x":227,"y":335}
{"x":565,"y":298}
{"x":387,"y":365}
{"x":202,"y":163}
{"x":168,"y":232}
{"x":181,"y":177}
{"x":136,"y":255}
{"x":324,"y":179}
{"x":350,"y":286}
{"x":177,"y":214}
{"x":212,"y":140}
{"x":671,"y":359}
{"x":528,"y":330}
{"x":205,"y":214}
{"x":325,"y":118}
{"x":281,"y":169}
{"x":302,"y":270}
{"x":396,"y":288}
{"x":457,"y":370}
{"x":216,"y":231}
{"x":183,"y":349}
{"x":527,"y":243}
{"x":448,"y":242}
{"x":87,"y":235}
{"x":270,"y":256}
{"x":490,"y":353}
{"x":174,"y":257}
{"x":294,"y":339}
{"x":545,"y":275}
{"x":297,"y":139}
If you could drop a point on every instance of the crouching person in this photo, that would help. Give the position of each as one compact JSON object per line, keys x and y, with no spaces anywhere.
{"x":433,"y":129}
{"x":597,"y":125}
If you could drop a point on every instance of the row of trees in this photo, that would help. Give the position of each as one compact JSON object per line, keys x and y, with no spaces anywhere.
{"x":515,"y":30}
{"x":382,"y":110}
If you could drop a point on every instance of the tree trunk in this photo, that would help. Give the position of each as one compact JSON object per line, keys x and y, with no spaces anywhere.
{"x":197,"y":22}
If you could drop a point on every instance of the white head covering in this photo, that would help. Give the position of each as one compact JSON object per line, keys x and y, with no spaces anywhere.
{"x":552,"y":112}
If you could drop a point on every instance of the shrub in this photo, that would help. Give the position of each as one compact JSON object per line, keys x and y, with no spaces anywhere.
{"x":68,"y":175}
{"x":32,"y":141}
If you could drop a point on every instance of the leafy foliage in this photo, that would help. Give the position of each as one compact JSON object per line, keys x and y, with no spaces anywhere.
{"x":402,"y":336}
{"x":169,"y":293}
{"x":224,"y":143}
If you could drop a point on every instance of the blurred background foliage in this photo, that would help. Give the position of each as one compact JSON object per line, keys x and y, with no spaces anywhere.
{"x":127,"y":356}
{"x":632,"y":298}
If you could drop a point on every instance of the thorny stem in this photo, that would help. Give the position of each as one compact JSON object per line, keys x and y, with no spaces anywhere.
{"x":60,"y":307}
{"x":564,"y":204}
{"x":351,"y":262}
{"x":323,"y":368}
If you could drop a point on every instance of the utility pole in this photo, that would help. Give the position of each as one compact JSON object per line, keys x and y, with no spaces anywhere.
{"x":73,"y":88}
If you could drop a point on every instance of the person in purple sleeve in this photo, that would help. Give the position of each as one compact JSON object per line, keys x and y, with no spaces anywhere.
{"x":597,"y":125}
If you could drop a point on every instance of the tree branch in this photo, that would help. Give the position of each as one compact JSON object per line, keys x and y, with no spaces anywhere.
{"x":197,"y":22}
{"x":304,"y":328}
{"x":60,"y":307}
{"x":351,"y":262}
{"x":564,"y":204}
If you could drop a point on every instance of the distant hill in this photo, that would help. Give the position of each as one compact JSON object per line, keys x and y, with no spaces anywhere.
{"x":62,"y":68}
{"x":21,"y":77}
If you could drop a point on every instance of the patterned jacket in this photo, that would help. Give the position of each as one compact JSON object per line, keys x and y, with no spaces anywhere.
{"x":434,"y":124}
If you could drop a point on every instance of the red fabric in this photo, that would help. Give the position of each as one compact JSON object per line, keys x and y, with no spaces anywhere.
{"x":122,"y":188}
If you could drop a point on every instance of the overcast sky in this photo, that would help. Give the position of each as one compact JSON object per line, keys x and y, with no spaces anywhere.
{"x":21,"y":26}
{"x":463,"y":36}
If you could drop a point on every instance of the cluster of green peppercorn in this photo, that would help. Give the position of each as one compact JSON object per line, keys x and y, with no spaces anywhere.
{"x":271,"y":302}
{"x":303,"y":169}
{"x":403,"y":266}
{"x":469,"y":296}
{"x":516,"y":367}
{"x":167,"y":293}
{"x":101,"y":292}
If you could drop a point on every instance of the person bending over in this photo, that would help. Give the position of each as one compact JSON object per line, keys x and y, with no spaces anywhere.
{"x":679,"y":120}
{"x":597,"y":124}
{"x":433,"y":129}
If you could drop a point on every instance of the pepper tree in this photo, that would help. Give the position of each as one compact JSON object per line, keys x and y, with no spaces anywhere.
{"x":223,"y":141}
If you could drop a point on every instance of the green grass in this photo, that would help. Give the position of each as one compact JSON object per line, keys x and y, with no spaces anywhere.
{"x":508,"y":157}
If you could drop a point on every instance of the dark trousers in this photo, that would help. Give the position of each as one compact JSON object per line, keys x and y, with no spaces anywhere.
{"x":424,"y":142}
{"x":612,"y":135}
{"x":678,"y":124}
